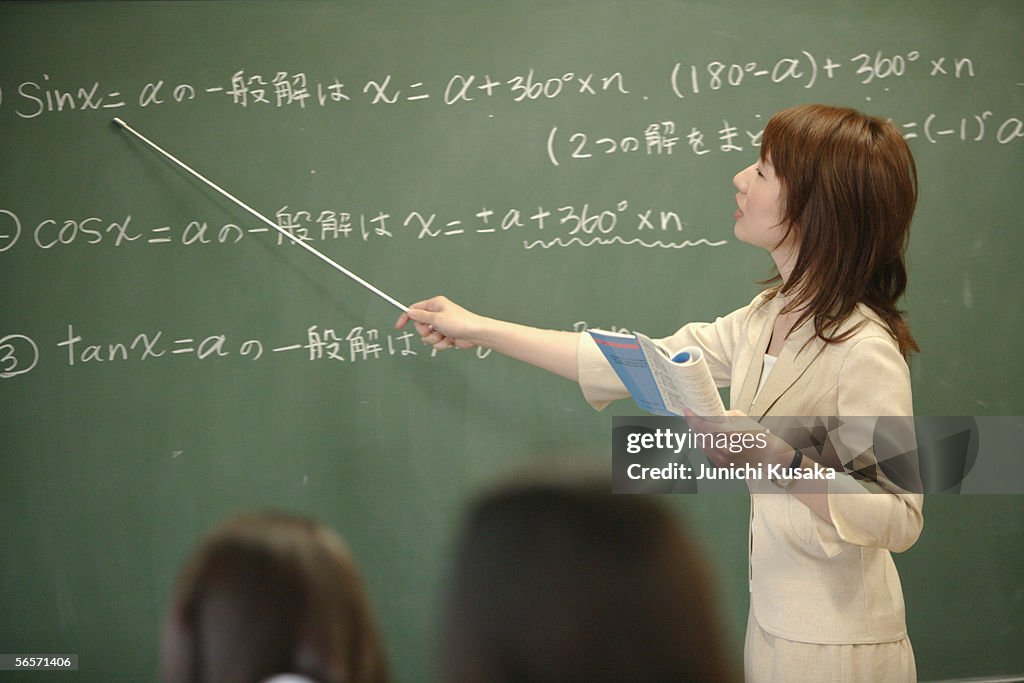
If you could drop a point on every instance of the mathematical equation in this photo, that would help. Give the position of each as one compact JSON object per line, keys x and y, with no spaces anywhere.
{"x":644,"y":227}
{"x":805,"y":69}
{"x":20,"y":354}
{"x":45,"y":94}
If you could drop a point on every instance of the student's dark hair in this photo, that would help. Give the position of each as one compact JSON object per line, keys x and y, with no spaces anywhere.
{"x":561,"y":580}
{"x":268,"y":593}
{"x":849,"y":189}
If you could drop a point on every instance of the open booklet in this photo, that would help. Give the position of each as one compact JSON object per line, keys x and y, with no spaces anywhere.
{"x":661,"y":383}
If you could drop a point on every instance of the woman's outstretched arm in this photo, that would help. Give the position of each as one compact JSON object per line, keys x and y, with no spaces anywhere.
{"x":444,"y":324}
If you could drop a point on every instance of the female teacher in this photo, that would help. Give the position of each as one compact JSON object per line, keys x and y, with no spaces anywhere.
{"x":831,"y":199}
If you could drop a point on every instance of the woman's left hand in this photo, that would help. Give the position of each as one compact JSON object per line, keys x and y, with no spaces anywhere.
{"x":739,"y":440}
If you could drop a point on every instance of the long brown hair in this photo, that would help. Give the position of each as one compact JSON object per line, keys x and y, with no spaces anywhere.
{"x":268,"y":593}
{"x":558,"y":579}
{"x":849,"y":186}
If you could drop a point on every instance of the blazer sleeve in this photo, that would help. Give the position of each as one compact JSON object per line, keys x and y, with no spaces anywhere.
{"x":717,"y":340}
{"x":875,"y":381}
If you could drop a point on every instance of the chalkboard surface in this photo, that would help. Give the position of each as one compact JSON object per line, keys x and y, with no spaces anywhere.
{"x":167,"y":360}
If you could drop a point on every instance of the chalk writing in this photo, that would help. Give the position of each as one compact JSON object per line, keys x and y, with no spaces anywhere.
{"x":657,"y":139}
{"x":661,"y":139}
{"x":606,"y":241}
{"x":19,"y":354}
{"x":332,"y":224}
{"x":971,"y":128}
{"x":10,"y":229}
{"x":38,"y":98}
{"x":49,"y":233}
{"x":531,"y":86}
{"x":804,"y":69}
{"x":44,"y":95}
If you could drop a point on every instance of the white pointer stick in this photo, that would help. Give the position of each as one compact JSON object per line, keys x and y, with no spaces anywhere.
{"x":275,"y":226}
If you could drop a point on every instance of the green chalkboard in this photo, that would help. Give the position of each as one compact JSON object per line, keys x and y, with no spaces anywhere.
{"x":166,"y":363}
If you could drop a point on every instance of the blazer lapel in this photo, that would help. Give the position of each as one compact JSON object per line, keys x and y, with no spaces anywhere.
{"x":792,"y":363}
{"x":758,"y":338}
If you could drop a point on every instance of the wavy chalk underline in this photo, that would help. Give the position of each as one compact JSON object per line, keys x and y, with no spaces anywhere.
{"x":604,"y":241}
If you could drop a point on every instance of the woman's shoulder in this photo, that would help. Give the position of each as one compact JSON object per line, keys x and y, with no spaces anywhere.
{"x":868,"y":325}
{"x":863,"y":331}
{"x":864,"y":334}
{"x":764,"y":304}
{"x":749,"y":319}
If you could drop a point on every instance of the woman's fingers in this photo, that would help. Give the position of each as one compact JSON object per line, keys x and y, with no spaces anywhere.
{"x":429,"y":317}
{"x":425,"y":330}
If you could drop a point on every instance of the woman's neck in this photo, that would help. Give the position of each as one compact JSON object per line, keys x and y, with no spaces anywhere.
{"x":784,"y":257}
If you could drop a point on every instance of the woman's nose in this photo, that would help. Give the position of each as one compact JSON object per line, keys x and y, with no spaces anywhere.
{"x":739,"y":180}
{"x":742,"y":179}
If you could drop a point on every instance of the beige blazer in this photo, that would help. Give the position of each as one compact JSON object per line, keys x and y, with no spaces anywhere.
{"x":810,"y":581}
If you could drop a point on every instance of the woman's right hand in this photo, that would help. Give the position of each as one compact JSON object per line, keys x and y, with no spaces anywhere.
{"x":443,"y":324}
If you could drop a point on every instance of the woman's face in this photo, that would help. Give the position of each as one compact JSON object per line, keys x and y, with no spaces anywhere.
{"x":759,"y":206}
